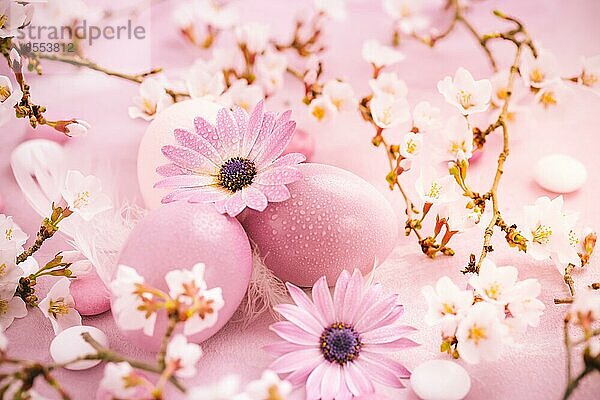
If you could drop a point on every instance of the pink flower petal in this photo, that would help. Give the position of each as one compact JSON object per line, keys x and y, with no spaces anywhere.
{"x":275,"y":194}
{"x":303,"y":301}
{"x":302,"y":318}
{"x":229,"y":134}
{"x":344,"y":392}
{"x":220,"y":206}
{"x":277,"y":142}
{"x":178,"y":194}
{"x":377,"y":371}
{"x":330,"y":386}
{"x":289,"y":159}
{"x":313,"y":383}
{"x":388,"y":347}
{"x":264,"y":135}
{"x":254,"y":198}
{"x":188,"y":159}
{"x":390,"y":319}
{"x":199,"y":144}
{"x":298,"y":377}
{"x":356,"y":380}
{"x":386,"y":334}
{"x":251,"y":133}
{"x":185,"y":181}
{"x":295,"y":360}
{"x":339,"y":293}
{"x":235,"y":204}
{"x":283,"y":118}
{"x":208,"y":195}
{"x":353,"y":296}
{"x":241,"y":119}
{"x":379,"y":309}
{"x":282,"y":347}
{"x":167,"y":170}
{"x":323,"y":301}
{"x":278,"y":176}
{"x":209,"y":133}
{"x":394,"y":366}
{"x":290,"y":332}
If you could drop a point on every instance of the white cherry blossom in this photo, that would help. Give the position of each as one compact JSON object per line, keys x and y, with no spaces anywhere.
{"x":590,"y":72}
{"x":253,"y":36}
{"x":12,"y":238}
{"x":227,"y":388}
{"x":388,"y":111}
{"x":411,"y":144}
{"x":126,"y":302}
{"x":270,"y":70}
{"x":10,"y":272}
{"x":121,"y":380}
{"x":77,"y":128}
{"x":426,"y":117}
{"x":481,"y":334}
{"x":407,"y":13}
{"x":183,"y":355}
{"x":465,"y":93}
{"x":549,"y":231}
{"x":13,"y":15}
{"x":153,"y":98}
{"x":59,"y":307}
{"x":241,"y":94}
{"x":203,"y":83}
{"x":538,"y":71}
{"x":217,"y":14}
{"x":9,"y":97}
{"x":84,"y":195}
{"x":586,"y":307}
{"x":446,"y":302}
{"x":494,"y":283}
{"x":322,"y":109}
{"x":380,"y":55}
{"x":336,"y":9}
{"x":434,"y":189}
{"x":553,"y":93}
{"x":389,"y":83}
{"x":189,"y":287}
{"x":456,"y":136}
{"x":269,"y":386}
{"x":11,"y":306}
{"x":523,"y":305}
{"x":340,"y":94}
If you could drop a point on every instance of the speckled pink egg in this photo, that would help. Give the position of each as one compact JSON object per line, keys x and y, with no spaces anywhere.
{"x":334,"y":221}
{"x":160,"y":133}
{"x":91,"y":296}
{"x":179,"y":235}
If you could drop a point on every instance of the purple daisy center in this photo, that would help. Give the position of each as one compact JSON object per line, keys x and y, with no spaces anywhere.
{"x":340,"y":343}
{"x":236,"y":174}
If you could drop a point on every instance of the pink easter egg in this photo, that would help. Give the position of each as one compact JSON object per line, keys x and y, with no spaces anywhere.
{"x":90,"y":294}
{"x":179,"y":235}
{"x":334,"y":220}
{"x":302,"y":142}
{"x":160,"y":133}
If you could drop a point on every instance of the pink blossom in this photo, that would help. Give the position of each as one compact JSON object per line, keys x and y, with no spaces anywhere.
{"x":235,"y":164}
{"x":337,"y":345}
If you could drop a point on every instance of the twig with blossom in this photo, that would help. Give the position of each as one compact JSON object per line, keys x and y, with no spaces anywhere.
{"x":459,"y":17}
{"x":585,"y":310}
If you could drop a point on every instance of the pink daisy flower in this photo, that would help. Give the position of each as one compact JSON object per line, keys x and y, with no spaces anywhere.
{"x":338,"y":346}
{"x":235,"y":164}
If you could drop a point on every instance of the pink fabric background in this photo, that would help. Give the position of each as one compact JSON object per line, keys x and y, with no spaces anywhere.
{"x":533,"y":371}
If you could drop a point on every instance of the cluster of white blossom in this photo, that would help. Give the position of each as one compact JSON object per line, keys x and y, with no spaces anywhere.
{"x":477,"y":324}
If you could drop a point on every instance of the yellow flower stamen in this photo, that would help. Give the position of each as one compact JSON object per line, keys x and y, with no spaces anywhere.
{"x":58,"y":307}
{"x":3,"y":307}
{"x":542,"y":234}
{"x":273,"y":393}
{"x":465,"y":99}
{"x":548,"y":99}
{"x":434,"y":190}
{"x":4,"y":93}
{"x":493,"y":291}
{"x":149,"y":107}
{"x":319,"y":113}
{"x":82,"y":199}
{"x":477,"y":333}
{"x":537,"y":76}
